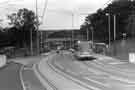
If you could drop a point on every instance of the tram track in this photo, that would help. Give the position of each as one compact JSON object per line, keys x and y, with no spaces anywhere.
{"x":89,"y":84}
{"x":54,"y":84}
{"x":44,"y":80}
{"x":95,"y":85}
{"x":116,"y":75}
{"x":110,"y":66}
{"x":70,"y":77}
{"x":21,"y":77}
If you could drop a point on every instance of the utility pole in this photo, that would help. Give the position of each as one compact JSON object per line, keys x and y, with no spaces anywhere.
{"x":72,"y":41}
{"x":114,"y":17}
{"x":87,"y":34}
{"x":92,"y":31}
{"x":31,"y":42}
{"x":37,"y":27}
{"x":109,"y":27}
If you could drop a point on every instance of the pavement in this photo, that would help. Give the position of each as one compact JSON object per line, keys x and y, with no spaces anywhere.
{"x":104,"y":74}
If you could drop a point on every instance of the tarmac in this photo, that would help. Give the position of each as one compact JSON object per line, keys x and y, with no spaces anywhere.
{"x":64,"y":72}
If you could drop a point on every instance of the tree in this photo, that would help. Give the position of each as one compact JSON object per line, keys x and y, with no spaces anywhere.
{"x":125,"y":14}
{"x":26,"y":22}
{"x":96,"y":23}
{"x":130,"y":28}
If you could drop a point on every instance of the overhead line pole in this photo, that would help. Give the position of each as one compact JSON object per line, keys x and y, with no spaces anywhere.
{"x":37,"y":27}
{"x":45,"y":8}
{"x":72,"y":30}
{"x":43,"y":15}
{"x":114,"y":27}
{"x":109,"y":27}
{"x":31,"y":42}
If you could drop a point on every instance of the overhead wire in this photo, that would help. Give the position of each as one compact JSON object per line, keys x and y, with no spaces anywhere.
{"x":107,"y":3}
{"x":44,"y":9}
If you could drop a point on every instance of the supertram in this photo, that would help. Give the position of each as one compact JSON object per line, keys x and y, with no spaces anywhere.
{"x":85,"y":49}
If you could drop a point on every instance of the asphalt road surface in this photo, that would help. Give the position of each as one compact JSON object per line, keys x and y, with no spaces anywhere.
{"x":90,"y":75}
{"x":10,"y":78}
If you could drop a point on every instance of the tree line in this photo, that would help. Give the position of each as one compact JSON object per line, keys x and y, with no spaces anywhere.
{"x":124,"y":10}
{"x":24,"y":24}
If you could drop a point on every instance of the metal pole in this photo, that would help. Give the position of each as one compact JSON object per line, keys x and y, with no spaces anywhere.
{"x":87,"y":34}
{"x":109,"y":27}
{"x":114,"y":27}
{"x":41,"y":37}
{"x":72,"y":30}
{"x":72,"y":38}
{"x":37,"y":27}
{"x":92,"y":35}
{"x":31,"y":42}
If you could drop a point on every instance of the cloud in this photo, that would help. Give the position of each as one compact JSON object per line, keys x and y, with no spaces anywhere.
{"x":9,"y":6}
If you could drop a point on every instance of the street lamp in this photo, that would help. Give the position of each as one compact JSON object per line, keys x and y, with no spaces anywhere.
{"x":92,"y":36}
{"x":109,"y":27}
{"x":87,"y":34}
{"x":114,"y":18}
{"x":89,"y":24}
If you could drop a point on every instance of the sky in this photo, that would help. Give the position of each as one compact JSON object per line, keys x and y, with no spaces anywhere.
{"x":78,"y":6}
{"x":70,"y":5}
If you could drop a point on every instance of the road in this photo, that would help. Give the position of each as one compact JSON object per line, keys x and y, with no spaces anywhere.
{"x":10,"y":77}
{"x":104,"y":73}
{"x":26,"y":75}
{"x":53,"y":80}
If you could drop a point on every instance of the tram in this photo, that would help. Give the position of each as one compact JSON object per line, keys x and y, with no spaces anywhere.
{"x":86,"y":49}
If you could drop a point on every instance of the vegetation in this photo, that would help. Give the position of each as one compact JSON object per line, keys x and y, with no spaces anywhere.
{"x":124,"y":12}
{"x":24,"y":26}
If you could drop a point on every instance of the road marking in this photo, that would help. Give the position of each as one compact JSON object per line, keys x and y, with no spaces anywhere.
{"x":43,"y":79}
{"x":72,"y":78}
{"x":95,"y":81}
{"x":114,"y":63}
{"x":21,"y":78}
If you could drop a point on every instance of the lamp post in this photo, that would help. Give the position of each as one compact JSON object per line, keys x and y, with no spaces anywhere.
{"x":92,"y":31}
{"x":109,"y":27}
{"x":87,"y":31}
{"x":31,"y":42}
{"x":114,"y":17}
{"x":87,"y":34}
{"x":72,"y":32}
{"x":37,"y":27}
